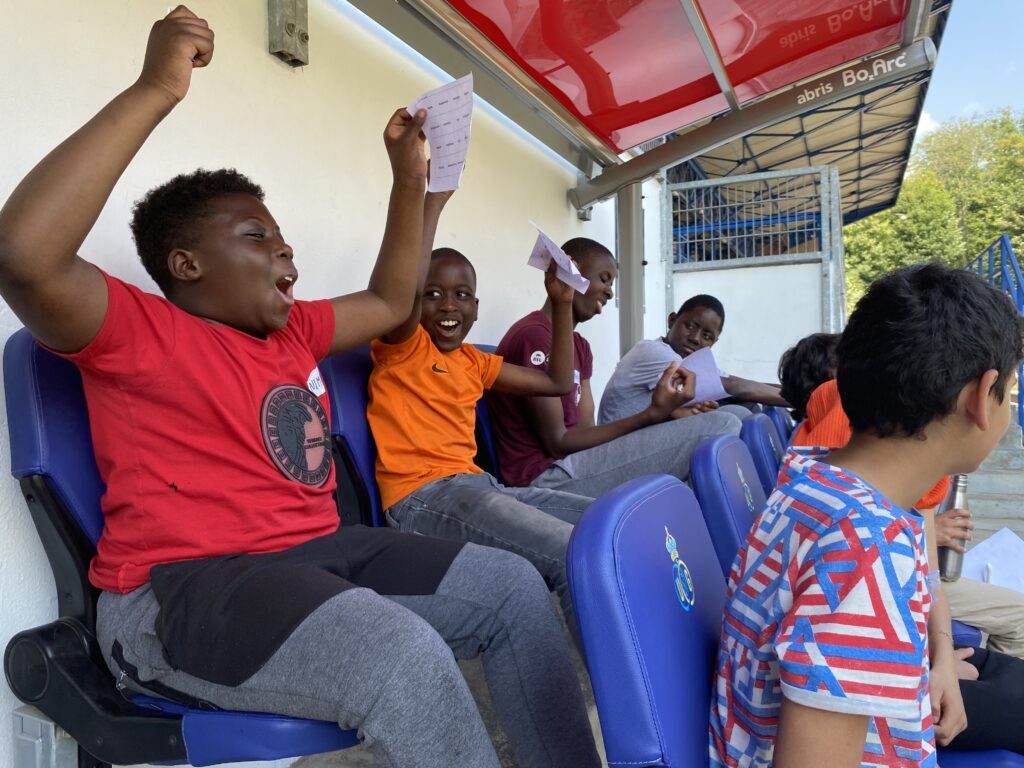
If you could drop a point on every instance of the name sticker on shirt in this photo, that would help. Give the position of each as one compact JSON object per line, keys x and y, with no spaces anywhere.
{"x":314,"y":383}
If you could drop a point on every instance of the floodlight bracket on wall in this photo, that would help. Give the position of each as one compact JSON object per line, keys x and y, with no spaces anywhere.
{"x":288,"y":31}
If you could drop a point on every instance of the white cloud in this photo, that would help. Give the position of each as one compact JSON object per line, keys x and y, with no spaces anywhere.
{"x":926,"y":125}
{"x":971,"y":108}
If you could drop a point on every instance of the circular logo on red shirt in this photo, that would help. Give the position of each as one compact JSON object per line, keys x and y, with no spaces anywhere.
{"x":296,"y":434}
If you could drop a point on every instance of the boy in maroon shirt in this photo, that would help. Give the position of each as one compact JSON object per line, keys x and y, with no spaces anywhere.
{"x":548,"y":442}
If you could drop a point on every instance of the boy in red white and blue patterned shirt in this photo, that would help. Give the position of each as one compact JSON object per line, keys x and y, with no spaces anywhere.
{"x":828,"y":607}
{"x":835,"y":647}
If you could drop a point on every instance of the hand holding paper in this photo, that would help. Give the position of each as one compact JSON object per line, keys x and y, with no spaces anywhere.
{"x":709,"y":382}
{"x":449,"y":118}
{"x":545,"y":251}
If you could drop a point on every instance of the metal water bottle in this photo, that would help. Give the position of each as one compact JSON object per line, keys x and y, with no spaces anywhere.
{"x":951,"y":562}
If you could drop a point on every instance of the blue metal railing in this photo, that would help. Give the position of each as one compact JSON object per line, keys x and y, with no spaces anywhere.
{"x":998,"y":266}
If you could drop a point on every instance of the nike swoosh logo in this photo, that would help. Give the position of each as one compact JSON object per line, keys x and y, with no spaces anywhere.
{"x":435,"y":369}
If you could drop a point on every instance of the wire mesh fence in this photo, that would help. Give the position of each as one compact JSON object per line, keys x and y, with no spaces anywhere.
{"x":770,"y":214}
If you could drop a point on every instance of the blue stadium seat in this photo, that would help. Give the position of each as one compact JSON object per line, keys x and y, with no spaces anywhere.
{"x":57,"y":668}
{"x":783,"y":422}
{"x":346,"y":377}
{"x":486,"y":442}
{"x":648,"y":592}
{"x":993,"y":758}
{"x":727,"y":487}
{"x":965,"y":634}
{"x":766,"y":448}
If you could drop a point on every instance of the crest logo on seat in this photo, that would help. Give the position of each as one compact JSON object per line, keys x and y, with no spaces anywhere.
{"x":680,"y":573}
{"x":747,"y":495}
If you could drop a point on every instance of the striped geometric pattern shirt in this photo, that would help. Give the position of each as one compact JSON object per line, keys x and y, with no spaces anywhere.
{"x":827,"y":605}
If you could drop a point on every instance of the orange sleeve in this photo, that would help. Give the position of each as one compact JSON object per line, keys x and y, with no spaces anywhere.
{"x":489,"y":365}
{"x":935,"y":496}
{"x":826,"y":424}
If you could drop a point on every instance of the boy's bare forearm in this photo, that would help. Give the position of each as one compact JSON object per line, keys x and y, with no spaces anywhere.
{"x":396,"y":274}
{"x":51,"y":211}
{"x":433,"y":204}
{"x":560,"y":366}
{"x":754,"y":391}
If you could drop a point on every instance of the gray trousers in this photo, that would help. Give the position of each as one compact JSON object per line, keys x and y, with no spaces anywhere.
{"x":386,"y":666}
{"x":533,"y":522}
{"x":663,"y":448}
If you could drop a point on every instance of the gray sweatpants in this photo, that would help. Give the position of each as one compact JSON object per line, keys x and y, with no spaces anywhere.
{"x":663,"y":448}
{"x":386,"y":666}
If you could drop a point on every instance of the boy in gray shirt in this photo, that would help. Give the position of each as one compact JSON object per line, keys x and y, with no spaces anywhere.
{"x":697,"y":325}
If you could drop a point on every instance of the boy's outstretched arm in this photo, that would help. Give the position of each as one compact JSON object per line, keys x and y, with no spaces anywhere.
{"x":675,"y":387}
{"x":557,"y":379}
{"x":60,"y":297}
{"x":948,"y":711}
{"x":388,"y":299}
{"x":818,"y":738}
{"x":754,"y":391}
{"x":433,"y":204}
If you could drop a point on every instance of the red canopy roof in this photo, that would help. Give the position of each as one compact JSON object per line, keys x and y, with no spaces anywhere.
{"x":634,"y":70}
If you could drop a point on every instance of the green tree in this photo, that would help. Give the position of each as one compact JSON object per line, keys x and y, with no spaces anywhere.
{"x":922,"y":226}
{"x":965,"y":155}
{"x":964,"y":188}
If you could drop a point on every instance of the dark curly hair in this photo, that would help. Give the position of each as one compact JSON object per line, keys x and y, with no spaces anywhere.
{"x":804,"y":367}
{"x":168,"y":216}
{"x":916,"y":338}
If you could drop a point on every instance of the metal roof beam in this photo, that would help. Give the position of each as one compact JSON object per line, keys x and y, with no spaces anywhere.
{"x":914,"y":23}
{"x":710,"y":51}
{"x":886,"y":131}
{"x":795,"y":137}
{"x":793,"y":102}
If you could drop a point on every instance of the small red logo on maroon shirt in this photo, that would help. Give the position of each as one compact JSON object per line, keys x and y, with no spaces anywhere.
{"x":296,"y":434}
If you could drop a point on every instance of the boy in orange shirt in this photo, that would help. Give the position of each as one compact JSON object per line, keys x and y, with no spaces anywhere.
{"x":423,"y":394}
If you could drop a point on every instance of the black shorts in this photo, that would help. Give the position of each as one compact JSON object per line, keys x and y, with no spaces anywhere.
{"x":221,"y":618}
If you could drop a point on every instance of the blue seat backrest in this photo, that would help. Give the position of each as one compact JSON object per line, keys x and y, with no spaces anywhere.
{"x":649,"y":621}
{"x":486,"y":438}
{"x":729,"y":491}
{"x":346,"y":377}
{"x":783,"y":422}
{"x":52,"y":456}
{"x":766,"y":448}
{"x":49,"y":428}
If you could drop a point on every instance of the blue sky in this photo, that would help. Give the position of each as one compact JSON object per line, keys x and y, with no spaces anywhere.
{"x":981,"y":62}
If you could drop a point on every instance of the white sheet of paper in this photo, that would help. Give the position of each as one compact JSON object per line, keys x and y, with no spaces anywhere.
{"x":709,"y":382}
{"x":997,"y":560}
{"x":449,"y":118}
{"x":544,"y":250}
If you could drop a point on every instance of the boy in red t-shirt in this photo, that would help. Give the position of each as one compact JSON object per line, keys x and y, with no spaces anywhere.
{"x":225,"y":576}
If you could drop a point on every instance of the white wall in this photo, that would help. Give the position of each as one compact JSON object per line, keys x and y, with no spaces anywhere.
{"x":311,"y":137}
{"x":768,"y":310}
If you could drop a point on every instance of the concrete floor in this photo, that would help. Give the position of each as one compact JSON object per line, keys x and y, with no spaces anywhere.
{"x":361,"y":757}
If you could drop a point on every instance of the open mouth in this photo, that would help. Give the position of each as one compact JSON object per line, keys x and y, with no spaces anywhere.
{"x":449,"y":328}
{"x":284,"y":286}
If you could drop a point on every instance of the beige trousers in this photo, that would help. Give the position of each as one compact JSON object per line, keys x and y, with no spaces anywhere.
{"x":996,"y":611}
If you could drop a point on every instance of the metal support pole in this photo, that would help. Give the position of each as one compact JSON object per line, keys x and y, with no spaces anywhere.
{"x":629,"y":220}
